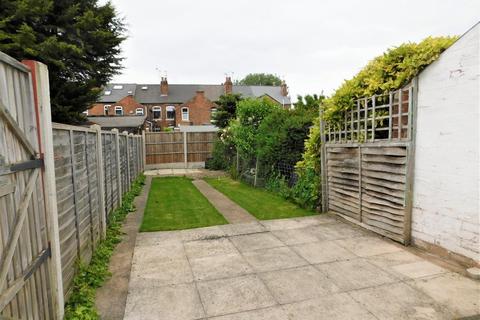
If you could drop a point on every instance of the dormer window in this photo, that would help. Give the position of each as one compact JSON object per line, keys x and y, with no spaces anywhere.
{"x":118,"y":110}
{"x":139,"y":112}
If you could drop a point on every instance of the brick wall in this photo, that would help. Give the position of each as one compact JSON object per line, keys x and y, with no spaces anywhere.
{"x":446,"y":179}
{"x":129,"y":105}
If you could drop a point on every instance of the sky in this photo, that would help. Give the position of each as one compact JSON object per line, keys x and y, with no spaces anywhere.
{"x":313,"y":45}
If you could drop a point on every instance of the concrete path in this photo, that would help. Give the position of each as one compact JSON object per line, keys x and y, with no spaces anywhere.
{"x":111,"y":297}
{"x":296,"y":269}
{"x":229,"y":209}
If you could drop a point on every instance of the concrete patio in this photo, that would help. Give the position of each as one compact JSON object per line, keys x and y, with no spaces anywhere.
{"x":301,"y":268}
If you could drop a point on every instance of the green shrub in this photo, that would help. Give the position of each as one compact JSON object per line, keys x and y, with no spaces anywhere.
{"x":89,"y":277}
{"x":222,"y":156}
{"x":306,"y":190}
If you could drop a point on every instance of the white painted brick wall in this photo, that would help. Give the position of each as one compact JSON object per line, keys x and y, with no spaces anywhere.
{"x":446,"y":203}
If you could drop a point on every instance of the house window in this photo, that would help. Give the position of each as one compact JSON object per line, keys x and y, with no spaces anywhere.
{"x":170,"y":113}
{"x":85,"y":112}
{"x":118,"y":87}
{"x":212,"y":114}
{"x":185,"y":116}
{"x":139,"y":111}
{"x":108,"y":92}
{"x":157,"y":112}
{"x":105,"y":109}
{"x":118,"y":110}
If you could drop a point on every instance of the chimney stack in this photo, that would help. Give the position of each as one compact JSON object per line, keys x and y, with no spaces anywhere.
{"x":228,"y":85}
{"x":284,"y":89}
{"x":164,"y":87}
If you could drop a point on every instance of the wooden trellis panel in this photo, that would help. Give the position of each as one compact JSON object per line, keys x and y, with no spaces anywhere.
{"x":367,"y":161}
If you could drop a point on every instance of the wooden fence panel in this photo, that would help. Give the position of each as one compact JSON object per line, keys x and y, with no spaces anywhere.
{"x":25,"y":267}
{"x":177,"y":149}
{"x":368,"y":157}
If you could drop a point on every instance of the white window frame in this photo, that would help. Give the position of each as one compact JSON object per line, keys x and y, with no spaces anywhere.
{"x":154,"y":109}
{"x":119,"y":108}
{"x":107,"y":92}
{"x":212,"y":112}
{"x":85,"y":112}
{"x":187,"y":113}
{"x":170,"y":108}
{"x":106,"y":108}
{"x":137,"y":113}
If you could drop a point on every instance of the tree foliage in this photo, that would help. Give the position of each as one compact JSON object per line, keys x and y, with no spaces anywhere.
{"x":245,"y":128}
{"x":79,"y":41}
{"x":227,"y":107}
{"x":260,"y":79}
{"x":309,"y":104}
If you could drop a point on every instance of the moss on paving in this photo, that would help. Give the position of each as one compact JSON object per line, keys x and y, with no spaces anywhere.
{"x":264,"y":205}
{"x":174,"y":203}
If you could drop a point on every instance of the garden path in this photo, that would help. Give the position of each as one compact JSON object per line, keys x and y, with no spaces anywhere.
{"x":229,"y":209}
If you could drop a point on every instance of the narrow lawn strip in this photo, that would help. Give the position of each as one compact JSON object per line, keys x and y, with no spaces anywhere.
{"x":174,"y":203}
{"x":264,"y":205}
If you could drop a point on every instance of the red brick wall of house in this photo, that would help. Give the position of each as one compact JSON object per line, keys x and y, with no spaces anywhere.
{"x":128,"y":103}
{"x":199,"y":110}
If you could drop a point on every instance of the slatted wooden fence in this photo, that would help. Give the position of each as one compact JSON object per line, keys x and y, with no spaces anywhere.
{"x":366,"y":162}
{"x":58,"y":183}
{"x":178,"y":149}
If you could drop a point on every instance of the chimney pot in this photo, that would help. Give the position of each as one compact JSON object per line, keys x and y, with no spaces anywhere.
{"x":284,"y":89}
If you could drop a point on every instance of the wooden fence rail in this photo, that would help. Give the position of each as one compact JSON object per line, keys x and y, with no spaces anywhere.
{"x":58,"y":184}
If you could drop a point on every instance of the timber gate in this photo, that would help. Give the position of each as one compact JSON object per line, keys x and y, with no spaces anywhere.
{"x":367,"y":163}
{"x":26,"y":281}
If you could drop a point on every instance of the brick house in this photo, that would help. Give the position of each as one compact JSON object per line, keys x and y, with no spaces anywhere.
{"x":172,"y":105}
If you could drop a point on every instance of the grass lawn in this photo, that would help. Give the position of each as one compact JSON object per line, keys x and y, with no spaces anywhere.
{"x":259,"y":202}
{"x":174,"y":203}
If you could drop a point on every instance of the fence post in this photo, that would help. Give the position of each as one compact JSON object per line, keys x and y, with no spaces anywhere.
{"x":185,"y":150}
{"x":119,"y":177}
{"x":144,"y":150}
{"x":323,"y":164}
{"x":42,"y":90}
{"x":101,"y":180}
{"x":127,"y":151}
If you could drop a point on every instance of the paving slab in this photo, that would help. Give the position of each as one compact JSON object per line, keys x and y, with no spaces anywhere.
{"x":273,"y":313}
{"x":399,"y":301}
{"x":418,"y":269}
{"x":355,"y":274}
{"x":368,"y":246}
{"x":156,"y":274}
{"x":221,"y":266}
{"x":294,"y":223}
{"x":256,"y":241}
{"x":338,"y":230}
{"x":273,"y":259}
{"x":242,"y":228}
{"x":209,"y":247}
{"x":460,"y":294}
{"x":179,"y":302}
{"x":232,"y":295}
{"x":229,"y":209}
{"x":323,"y":251}
{"x":297,"y":284}
{"x":202,"y":233}
{"x":295,"y":236}
{"x":335,"y":307}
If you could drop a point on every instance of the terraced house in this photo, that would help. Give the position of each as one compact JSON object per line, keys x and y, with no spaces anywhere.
{"x":159,"y":106}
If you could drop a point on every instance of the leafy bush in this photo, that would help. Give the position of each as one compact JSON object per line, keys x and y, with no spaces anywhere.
{"x":222,"y":155}
{"x":390,"y":71}
{"x":81,"y":303}
{"x":306,"y":190}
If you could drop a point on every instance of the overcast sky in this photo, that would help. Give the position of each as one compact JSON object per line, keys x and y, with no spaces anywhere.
{"x":313,"y":45}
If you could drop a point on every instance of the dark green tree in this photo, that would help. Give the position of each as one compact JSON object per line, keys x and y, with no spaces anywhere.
{"x":79,"y":41}
{"x":227,"y":106}
{"x":260,"y":79}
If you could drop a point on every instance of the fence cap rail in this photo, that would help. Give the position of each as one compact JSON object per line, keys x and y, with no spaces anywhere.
{"x":63,"y":126}
{"x":12,"y":62}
